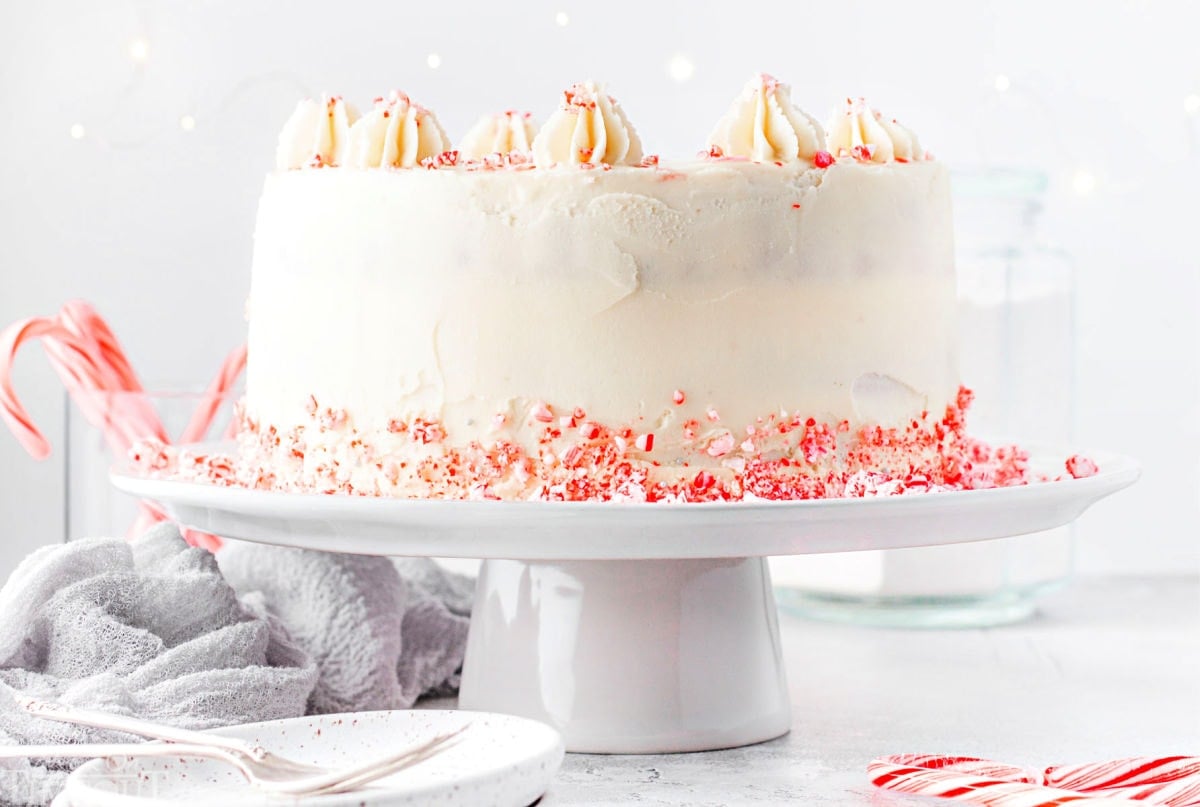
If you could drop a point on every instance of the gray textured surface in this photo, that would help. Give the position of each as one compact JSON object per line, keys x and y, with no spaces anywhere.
{"x":1110,"y":668}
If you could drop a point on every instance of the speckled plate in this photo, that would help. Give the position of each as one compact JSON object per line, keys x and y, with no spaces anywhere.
{"x":501,"y":760}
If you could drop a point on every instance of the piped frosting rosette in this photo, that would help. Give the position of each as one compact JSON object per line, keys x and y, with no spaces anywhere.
{"x":589,"y":128}
{"x":396,"y":133}
{"x":316,"y":134}
{"x":865,"y":134}
{"x":502,"y":133}
{"x":763,"y":125}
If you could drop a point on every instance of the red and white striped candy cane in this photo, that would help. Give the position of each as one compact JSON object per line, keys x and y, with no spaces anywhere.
{"x":1171,"y":781}
{"x":101,"y":381}
{"x":1167,"y":781}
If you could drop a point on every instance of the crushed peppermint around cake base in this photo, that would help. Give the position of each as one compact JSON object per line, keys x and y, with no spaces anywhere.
{"x":780,"y":457}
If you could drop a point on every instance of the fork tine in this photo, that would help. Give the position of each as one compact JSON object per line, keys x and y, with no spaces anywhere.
{"x":395,"y":766}
{"x":370,"y":771}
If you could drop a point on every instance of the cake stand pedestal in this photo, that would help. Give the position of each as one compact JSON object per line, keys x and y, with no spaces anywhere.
{"x":630,"y":656}
{"x":632,"y":628}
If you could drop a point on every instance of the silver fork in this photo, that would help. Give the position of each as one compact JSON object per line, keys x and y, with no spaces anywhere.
{"x":144,"y":728}
{"x":266,"y":771}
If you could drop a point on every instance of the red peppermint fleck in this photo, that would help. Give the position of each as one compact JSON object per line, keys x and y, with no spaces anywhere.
{"x":589,"y":431}
{"x":678,"y":397}
{"x":863,"y":153}
{"x":542,"y":413}
{"x":645,"y":442}
{"x":571,"y":456}
{"x":721,"y":445}
{"x":1080,"y":467}
{"x":703,"y":481}
{"x":822,"y":159}
{"x":425,"y":432}
{"x":396,"y":426}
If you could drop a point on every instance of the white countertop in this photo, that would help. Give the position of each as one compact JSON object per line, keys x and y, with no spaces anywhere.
{"x":1110,"y":668}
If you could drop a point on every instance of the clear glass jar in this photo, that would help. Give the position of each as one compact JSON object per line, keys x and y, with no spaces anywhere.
{"x":93,"y":506}
{"x":1017,"y":352}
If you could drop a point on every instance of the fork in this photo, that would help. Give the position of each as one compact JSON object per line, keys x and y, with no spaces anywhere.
{"x":144,"y":728}
{"x":266,"y":771}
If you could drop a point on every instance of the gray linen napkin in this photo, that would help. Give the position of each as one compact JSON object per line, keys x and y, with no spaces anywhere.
{"x":157,"y":629}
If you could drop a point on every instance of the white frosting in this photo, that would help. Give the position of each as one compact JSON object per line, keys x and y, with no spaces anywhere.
{"x":458,"y":295}
{"x":859,"y":131}
{"x":905,"y":146}
{"x":316,"y":134}
{"x":589,"y":128}
{"x":396,"y":133}
{"x":501,"y":133}
{"x":764,"y":126}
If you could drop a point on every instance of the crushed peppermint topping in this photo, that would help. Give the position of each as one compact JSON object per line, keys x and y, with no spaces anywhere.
{"x":784,"y":457}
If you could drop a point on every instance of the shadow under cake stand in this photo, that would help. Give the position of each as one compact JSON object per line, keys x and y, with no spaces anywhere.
{"x":632,"y":628}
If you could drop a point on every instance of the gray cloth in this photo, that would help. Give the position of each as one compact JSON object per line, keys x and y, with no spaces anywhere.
{"x":381,"y":634}
{"x":157,"y":629}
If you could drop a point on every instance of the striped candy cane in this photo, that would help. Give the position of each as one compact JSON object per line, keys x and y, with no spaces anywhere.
{"x":1172,"y":781}
{"x":1168,"y":781}
{"x":96,"y":372}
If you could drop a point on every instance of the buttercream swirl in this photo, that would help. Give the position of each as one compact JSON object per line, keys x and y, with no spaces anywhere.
{"x":316,"y":134}
{"x":764,"y":126}
{"x":863,"y":133}
{"x":589,"y":128}
{"x":396,"y":133}
{"x":501,"y":133}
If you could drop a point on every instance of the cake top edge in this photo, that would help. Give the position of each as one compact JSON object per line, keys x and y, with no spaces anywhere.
{"x":589,"y":129}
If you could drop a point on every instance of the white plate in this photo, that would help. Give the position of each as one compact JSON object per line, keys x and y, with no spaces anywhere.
{"x":611,"y":531}
{"x":501,"y":760}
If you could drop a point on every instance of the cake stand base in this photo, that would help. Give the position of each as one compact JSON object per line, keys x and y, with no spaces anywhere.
{"x":630,"y":656}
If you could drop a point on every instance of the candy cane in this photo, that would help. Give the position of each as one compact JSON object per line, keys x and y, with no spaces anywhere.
{"x":217,"y":391}
{"x":1173,"y":781}
{"x":96,"y":372}
{"x":1169,"y":781}
{"x":91,"y":364}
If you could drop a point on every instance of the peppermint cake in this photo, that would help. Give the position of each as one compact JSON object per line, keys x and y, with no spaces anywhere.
{"x":553,"y":313}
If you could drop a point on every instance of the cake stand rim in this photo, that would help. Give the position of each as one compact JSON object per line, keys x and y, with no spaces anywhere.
{"x":628,"y":530}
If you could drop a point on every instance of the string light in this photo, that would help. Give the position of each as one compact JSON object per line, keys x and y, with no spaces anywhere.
{"x":187,"y":123}
{"x":680,"y":67}
{"x":1002,"y":83}
{"x":562,"y":19}
{"x":434,"y":61}
{"x":1083,"y":182}
{"x":139,"y":50}
{"x":78,"y":132}
{"x":1191,"y":104}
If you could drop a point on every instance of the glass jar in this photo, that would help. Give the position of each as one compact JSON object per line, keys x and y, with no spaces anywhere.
{"x":93,"y":506}
{"x":1017,"y":352}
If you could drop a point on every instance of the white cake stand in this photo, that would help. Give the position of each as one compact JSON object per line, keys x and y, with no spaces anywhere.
{"x":633,"y":628}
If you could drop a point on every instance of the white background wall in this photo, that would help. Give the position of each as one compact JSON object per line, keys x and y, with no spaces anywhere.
{"x":152,"y":222}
